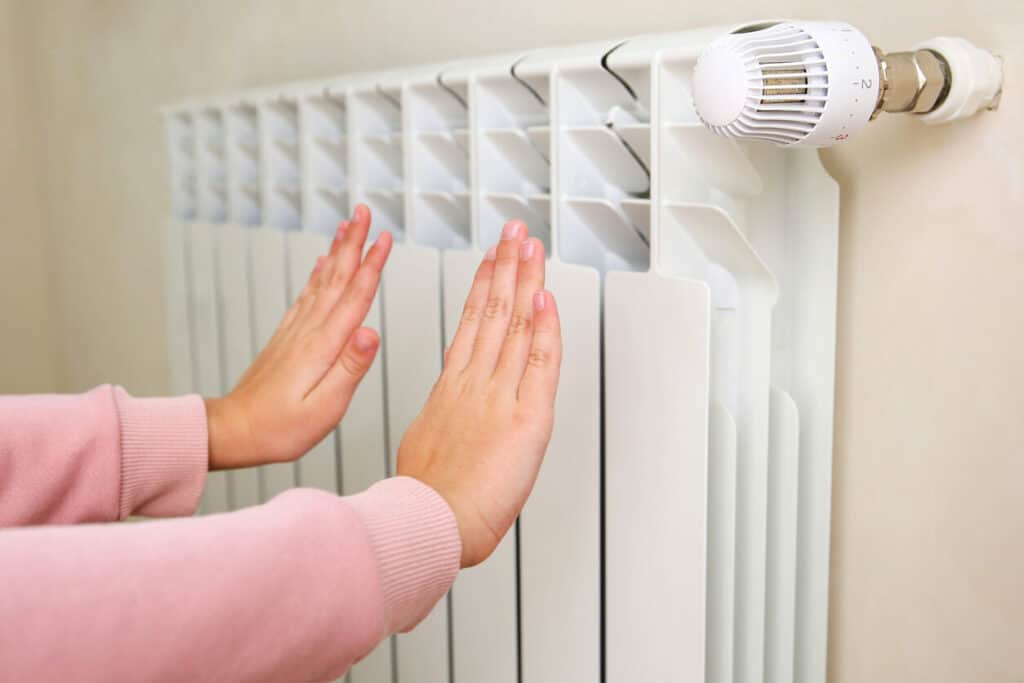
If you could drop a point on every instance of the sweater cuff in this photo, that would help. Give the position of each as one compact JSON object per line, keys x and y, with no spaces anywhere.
{"x":164,"y":454}
{"x":415,"y":538}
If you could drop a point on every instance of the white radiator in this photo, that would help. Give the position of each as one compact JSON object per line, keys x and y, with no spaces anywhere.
{"x":679,"y":530}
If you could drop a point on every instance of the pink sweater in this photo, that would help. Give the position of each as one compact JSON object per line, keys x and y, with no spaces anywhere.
{"x":296,"y":589}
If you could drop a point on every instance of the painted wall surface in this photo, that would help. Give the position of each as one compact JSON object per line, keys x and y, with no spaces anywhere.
{"x":28,"y":358}
{"x":929,"y":461}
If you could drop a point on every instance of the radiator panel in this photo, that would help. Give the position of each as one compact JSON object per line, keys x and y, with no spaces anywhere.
{"x":656,"y":403}
{"x":413,"y":349}
{"x":176,"y":284}
{"x":560,"y":527}
{"x":319,"y":468}
{"x":484,"y":599}
{"x":235,"y":311}
{"x":202,"y":260}
{"x":269,"y":286}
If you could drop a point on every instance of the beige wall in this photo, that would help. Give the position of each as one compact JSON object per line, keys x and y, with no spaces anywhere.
{"x":928,"y":549}
{"x":28,"y":358}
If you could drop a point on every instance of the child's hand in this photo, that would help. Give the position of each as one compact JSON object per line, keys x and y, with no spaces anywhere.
{"x":300,"y":385}
{"x":481,"y":437}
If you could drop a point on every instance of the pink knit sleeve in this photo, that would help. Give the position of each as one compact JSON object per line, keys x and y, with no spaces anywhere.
{"x":99,"y":456}
{"x":296,"y":589}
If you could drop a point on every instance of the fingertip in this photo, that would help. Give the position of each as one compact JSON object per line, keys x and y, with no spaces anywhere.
{"x":358,"y":227}
{"x":545,"y":309}
{"x":514,"y":229}
{"x":485,"y":271}
{"x":491,"y":254}
{"x":365,"y":340}
{"x":540,"y":300}
{"x":530,"y":248}
{"x":381,"y":249}
{"x":361,"y":213}
{"x":526,"y":250}
{"x":339,"y":237}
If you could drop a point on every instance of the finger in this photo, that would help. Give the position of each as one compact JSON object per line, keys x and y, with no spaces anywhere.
{"x":516,"y":351}
{"x":461,"y":349}
{"x":331,"y":336}
{"x":500,"y":298}
{"x":305,"y":299}
{"x":540,"y":378}
{"x":329,"y":263}
{"x":350,"y":253}
{"x":334,"y":392}
{"x":351,"y":309}
{"x":312,"y":289}
{"x":345,"y":261}
{"x":289,"y":326}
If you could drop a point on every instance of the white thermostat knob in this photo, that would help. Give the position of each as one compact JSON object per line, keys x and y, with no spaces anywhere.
{"x":791,"y":83}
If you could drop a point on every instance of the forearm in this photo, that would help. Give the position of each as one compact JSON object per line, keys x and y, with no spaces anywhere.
{"x":99,"y":456}
{"x":296,"y":589}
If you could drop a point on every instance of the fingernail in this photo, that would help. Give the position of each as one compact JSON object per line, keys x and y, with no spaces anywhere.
{"x":342,"y":227}
{"x":511,"y":230}
{"x":364,"y":341}
{"x":526,"y":250}
{"x":540,"y":300}
{"x":491,"y":254}
{"x":319,"y":263}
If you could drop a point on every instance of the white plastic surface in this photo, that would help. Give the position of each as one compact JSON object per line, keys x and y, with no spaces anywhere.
{"x":784,"y":484}
{"x":439,"y":163}
{"x":324,"y":158}
{"x":319,"y":467}
{"x":390,"y":166}
{"x":180,"y":139}
{"x":484,"y":601}
{"x":202,"y":260}
{"x":561,"y":523}
{"x":362,"y":442}
{"x":560,"y":527}
{"x":655,"y":400}
{"x":176,"y":279}
{"x":280,"y":154}
{"x":207,"y":152}
{"x":800,"y":83}
{"x":721,"y":544}
{"x":269,"y":291}
{"x":413,"y":348}
{"x":747,"y":300}
{"x":804,"y":343}
{"x":364,"y":458}
{"x":655,"y":395}
{"x":235,"y":314}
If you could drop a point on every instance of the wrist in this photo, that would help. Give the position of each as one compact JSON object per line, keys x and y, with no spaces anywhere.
{"x":460,"y":520}
{"x":413,"y":533}
{"x":469,"y":555}
{"x":226,"y":434}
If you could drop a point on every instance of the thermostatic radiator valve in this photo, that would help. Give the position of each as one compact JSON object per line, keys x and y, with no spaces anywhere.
{"x":813,"y":84}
